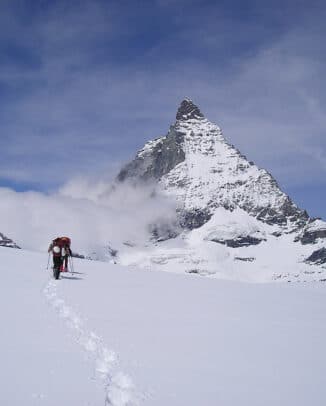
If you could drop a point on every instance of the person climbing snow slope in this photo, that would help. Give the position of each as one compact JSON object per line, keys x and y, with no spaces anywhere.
{"x":60,"y":248}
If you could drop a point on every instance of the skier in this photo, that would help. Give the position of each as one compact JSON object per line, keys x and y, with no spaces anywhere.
{"x":60,"y":248}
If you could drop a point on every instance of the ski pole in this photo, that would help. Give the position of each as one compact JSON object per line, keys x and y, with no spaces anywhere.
{"x":47,"y":267}
{"x":71,"y":265}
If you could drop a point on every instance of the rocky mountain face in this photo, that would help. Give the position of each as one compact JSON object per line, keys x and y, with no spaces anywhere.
{"x":7,"y":242}
{"x":195,"y":165}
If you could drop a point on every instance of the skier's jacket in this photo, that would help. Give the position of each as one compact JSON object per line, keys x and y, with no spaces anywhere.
{"x":60,"y":247}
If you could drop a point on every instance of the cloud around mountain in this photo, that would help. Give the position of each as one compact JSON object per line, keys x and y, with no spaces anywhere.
{"x":92,"y":214}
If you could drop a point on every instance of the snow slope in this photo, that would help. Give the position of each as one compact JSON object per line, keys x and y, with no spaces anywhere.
{"x":123,"y":336}
{"x":232,"y":246}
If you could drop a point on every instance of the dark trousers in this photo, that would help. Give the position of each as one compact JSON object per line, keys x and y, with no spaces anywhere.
{"x":57,"y":261}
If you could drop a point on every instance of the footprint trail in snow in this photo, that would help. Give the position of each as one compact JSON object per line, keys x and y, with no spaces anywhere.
{"x":119,"y":389}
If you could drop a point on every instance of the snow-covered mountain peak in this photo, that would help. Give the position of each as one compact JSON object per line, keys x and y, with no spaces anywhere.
{"x":188,"y":110}
{"x":195,"y":164}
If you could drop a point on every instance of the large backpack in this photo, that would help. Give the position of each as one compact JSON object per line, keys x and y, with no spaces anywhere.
{"x":57,"y":247}
{"x":65,"y":244}
{"x":65,"y":241}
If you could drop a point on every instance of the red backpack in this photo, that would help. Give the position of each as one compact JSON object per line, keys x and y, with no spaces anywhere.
{"x":65,"y":241}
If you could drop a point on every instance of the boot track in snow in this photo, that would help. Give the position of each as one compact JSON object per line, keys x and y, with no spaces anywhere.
{"x":118,"y":387}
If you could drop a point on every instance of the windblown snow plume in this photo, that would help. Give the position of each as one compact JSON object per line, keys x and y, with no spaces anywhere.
{"x":95,"y":215}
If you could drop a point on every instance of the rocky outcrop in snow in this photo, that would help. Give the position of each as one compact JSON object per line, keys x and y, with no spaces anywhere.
{"x":318,"y":257}
{"x":7,"y":242}
{"x":156,"y":159}
{"x":237,"y":242}
{"x":314,"y":231}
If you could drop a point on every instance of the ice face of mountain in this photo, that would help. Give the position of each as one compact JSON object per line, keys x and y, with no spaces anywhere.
{"x":7,"y":242}
{"x":196,"y":164}
{"x":232,"y":214}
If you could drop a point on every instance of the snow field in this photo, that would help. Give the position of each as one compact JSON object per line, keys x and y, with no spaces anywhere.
{"x":275,"y":258}
{"x":119,"y":389}
{"x":180,"y":340}
{"x":40,"y":364}
{"x":188,"y":340}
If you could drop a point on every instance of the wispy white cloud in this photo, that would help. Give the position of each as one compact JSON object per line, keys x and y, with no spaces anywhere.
{"x":94,"y":214}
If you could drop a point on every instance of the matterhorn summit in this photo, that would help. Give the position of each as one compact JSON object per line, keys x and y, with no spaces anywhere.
{"x":195,"y":163}
{"x":188,"y":110}
{"x":233,"y":218}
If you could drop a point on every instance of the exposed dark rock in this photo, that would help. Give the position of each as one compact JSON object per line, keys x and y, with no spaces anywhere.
{"x":76,"y":255}
{"x":246,"y":259}
{"x":129,"y":244}
{"x":188,"y":110}
{"x":162,"y":232}
{"x":194,"y":219}
{"x":318,"y":257}
{"x":244,"y":241}
{"x":195,"y":271}
{"x":163,"y":157}
{"x":7,"y":242}
{"x":311,"y":236}
{"x":199,"y":272}
{"x":287,"y":212}
{"x":112,"y":251}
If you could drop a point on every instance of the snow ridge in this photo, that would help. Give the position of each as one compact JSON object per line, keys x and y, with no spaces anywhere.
{"x":119,"y":388}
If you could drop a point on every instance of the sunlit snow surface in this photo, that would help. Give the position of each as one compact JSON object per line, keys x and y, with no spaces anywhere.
{"x":274,"y":258}
{"x":216,"y":172}
{"x":119,"y":336}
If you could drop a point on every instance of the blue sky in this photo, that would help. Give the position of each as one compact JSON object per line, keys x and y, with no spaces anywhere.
{"x":83,"y":84}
